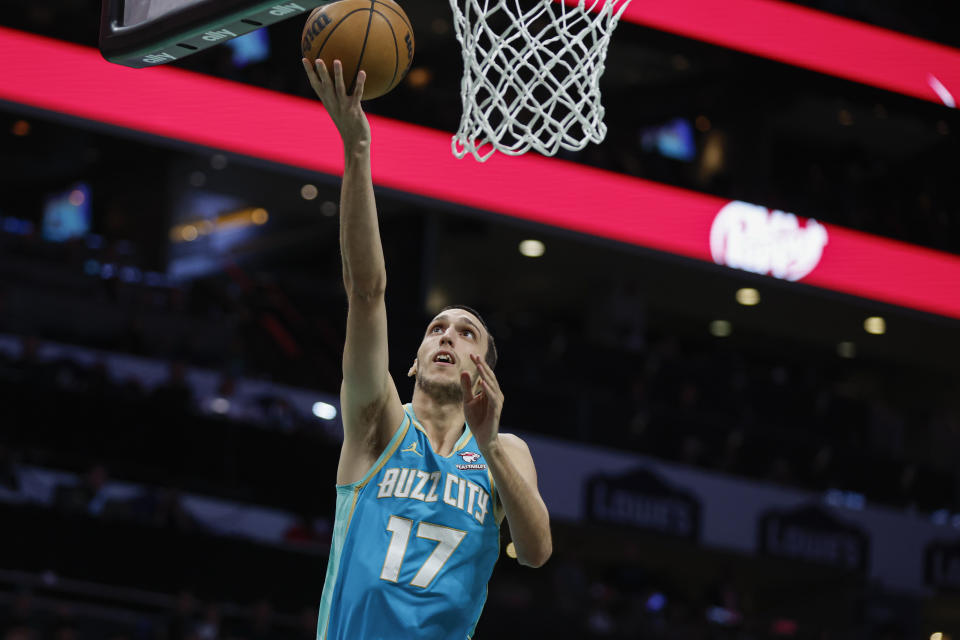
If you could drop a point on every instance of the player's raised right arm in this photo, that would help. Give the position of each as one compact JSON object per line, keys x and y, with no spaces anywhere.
{"x":370,"y":405}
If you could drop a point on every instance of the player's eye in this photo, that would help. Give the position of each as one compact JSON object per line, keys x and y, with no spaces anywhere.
{"x":468,"y":332}
{"x":436,"y":328}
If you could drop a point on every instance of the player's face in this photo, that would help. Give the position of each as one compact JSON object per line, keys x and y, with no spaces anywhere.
{"x":450,"y":339}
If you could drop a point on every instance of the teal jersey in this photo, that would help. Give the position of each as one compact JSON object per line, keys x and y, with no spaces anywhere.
{"x":414,"y":543}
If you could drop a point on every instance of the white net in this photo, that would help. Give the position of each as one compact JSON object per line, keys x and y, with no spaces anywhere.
{"x":531,"y":76}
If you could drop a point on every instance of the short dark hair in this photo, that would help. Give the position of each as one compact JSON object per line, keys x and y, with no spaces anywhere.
{"x":490,"y":357}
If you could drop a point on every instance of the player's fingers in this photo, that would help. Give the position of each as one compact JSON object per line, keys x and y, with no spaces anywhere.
{"x":323,"y":75}
{"x":465,"y":385}
{"x":358,"y":90}
{"x":493,"y":389}
{"x":486,"y":374}
{"x":338,"y":79}
{"x":323,"y":85}
{"x":312,"y":76}
{"x":492,"y":392}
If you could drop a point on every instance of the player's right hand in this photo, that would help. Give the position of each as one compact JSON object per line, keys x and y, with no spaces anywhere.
{"x":344,"y":110}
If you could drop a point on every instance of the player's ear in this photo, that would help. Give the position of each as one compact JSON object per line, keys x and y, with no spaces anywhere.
{"x":413,"y":369}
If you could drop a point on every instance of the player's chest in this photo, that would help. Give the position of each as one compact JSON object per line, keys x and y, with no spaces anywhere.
{"x":446,"y":485}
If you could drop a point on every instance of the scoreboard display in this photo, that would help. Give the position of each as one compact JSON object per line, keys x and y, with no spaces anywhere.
{"x":147,"y":33}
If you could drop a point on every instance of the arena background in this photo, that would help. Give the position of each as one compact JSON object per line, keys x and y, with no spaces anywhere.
{"x":726,"y":454}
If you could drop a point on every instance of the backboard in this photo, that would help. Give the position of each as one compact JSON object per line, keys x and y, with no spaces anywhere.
{"x":146,"y":33}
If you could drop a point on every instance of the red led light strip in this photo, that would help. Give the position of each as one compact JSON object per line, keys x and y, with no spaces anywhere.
{"x":813,"y":40}
{"x":201,"y":110}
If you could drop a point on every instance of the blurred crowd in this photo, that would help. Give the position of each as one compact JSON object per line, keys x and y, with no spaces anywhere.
{"x":779,"y":417}
{"x":29,"y":617}
{"x":578,"y":595}
{"x":619,"y":376}
{"x":699,"y":404}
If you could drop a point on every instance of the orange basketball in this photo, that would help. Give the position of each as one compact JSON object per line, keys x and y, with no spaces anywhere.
{"x":373,"y":35}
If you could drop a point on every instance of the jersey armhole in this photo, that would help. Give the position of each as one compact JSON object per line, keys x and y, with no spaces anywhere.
{"x":382,"y":460}
{"x":498,"y":513}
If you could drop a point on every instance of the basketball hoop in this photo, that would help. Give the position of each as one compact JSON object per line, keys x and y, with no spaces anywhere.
{"x":531,"y":77}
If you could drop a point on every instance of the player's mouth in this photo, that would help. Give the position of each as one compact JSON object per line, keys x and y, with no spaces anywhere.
{"x":444,"y":359}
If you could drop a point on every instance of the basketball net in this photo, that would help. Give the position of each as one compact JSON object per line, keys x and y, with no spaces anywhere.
{"x":531,"y":77}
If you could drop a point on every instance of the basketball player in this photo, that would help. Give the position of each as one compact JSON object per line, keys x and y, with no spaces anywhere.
{"x":421,"y":488}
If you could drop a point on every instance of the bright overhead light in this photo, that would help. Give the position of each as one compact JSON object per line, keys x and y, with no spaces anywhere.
{"x":846,"y":349}
{"x":875,"y":325}
{"x":259,"y":216}
{"x":324,"y":411}
{"x":532,"y":248}
{"x":309,"y":192}
{"x":748,"y":296}
{"x":936,"y":635}
{"x":720,"y":328}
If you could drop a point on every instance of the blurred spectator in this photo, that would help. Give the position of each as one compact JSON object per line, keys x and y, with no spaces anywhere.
{"x":692,"y":450}
{"x":886,"y":430}
{"x":277,"y":412}
{"x":619,"y":319}
{"x":173,"y":396}
{"x":64,"y":626}
{"x":170,"y":512}
{"x":88,"y":496}
{"x":307,"y":624}
{"x":225,"y":402}
{"x":131,"y":389}
{"x":208,"y":628}
{"x":569,"y":582}
{"x":304,"y":533}
{"x":184,"y":617}
{"x":724,"y":595}
{"x":182,"y":620}
{"x":780,"y":471}
{"x":599,"y":621}
{"x":944,"y":440}
{"x":729,"y":460}
{"x":22,"y":618}
{"x":65,"y":632}
{"x":32,"y":370}
{"x":260,"y":622}
{"x":8,"y":471}
{"x":97,"y":379}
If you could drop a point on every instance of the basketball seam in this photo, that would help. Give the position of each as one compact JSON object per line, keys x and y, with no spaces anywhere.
{"x":396,"y":48}
{"x":363,"y":48}
{"x":399,"y":14}
{"x":337,"y":26}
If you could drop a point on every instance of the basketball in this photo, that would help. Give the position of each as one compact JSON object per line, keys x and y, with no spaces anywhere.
{"x":372,"y":35}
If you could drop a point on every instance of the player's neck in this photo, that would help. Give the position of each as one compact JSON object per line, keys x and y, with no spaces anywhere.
{"x":443,"y":422}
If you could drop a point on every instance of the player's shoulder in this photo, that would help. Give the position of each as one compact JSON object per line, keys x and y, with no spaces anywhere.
{"x":511,"y":440}
{"x":513,"y":444}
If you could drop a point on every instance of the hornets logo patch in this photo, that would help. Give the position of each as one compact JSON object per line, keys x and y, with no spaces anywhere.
{"x":470,"y":458}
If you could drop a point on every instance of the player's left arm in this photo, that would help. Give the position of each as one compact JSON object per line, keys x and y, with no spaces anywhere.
{"x":511,"y":465}
{"x":513,"y":470}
